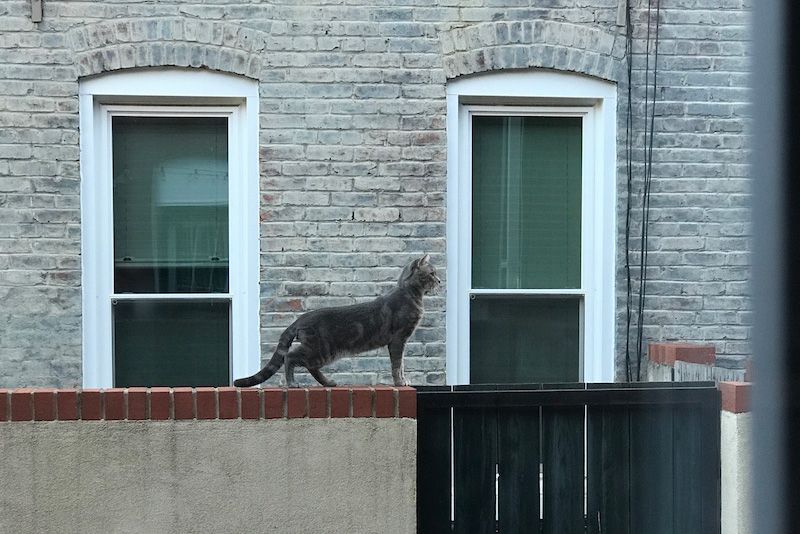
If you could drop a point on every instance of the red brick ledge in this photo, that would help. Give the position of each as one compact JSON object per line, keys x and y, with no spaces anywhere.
{"x":669,"y":353}
{"x":735,"y":396}
{"x":158,"y":403}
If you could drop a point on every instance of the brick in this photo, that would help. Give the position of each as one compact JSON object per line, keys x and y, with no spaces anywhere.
{"x":160,"y":403}
{"x":251,"y":402}
{"x":44,"y":405}
{"x":362,"y":401}
{"x":340,"y":402}
{"x":407,"y":402}
{"x":183,"y":401}
{"x":67,"y":404}
{"x":114,"y":404}
{"x":668,"y":353}
{"x":296,"y":403}
{"x":658,"y":354}
{"x":735,"y":396}
{"x":136,"y":402}
{"x":22,"y":404}
{"x":91,"y":401}
{"x":206,"y":403}
{"x":318,"y":402}
{"x":4,"y":404}
{"x":376,"y":214}
{"x":385,"y":401}
{"x":273,"y":403}
{"x":228,"y":402}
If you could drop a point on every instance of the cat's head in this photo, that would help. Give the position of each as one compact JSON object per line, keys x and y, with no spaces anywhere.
{"x":420,"y":274}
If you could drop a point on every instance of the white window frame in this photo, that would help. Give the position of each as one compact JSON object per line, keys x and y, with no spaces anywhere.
{"x":536,"y":93}
{"x":170,"y":93}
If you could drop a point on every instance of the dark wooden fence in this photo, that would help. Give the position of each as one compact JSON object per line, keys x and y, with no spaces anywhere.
{"x":581,"y":458}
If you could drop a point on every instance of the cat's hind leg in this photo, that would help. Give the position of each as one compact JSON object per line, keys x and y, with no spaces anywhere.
{"x":300,"y":354}
{"x":293,"y":358}
{"x":321,"y":378}
{"x":289,"y":366}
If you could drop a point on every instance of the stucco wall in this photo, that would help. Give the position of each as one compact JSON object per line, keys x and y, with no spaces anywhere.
{"x":208,"y":460}
{"x":327,"y":475}
{"x":736,"y":457}
{"x":737,"y":475}
{"x":353,"y":152}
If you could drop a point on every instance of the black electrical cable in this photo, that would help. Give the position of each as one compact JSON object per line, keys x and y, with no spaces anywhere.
{"x":629,"y":168}
{"x":649,"y":131}
{"x":650,"y":161}
{"x":648,"y":176}
{"x":643,"y":222}
{"x":642,"y":229}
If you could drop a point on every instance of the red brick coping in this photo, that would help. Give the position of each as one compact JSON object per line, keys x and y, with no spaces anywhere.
{"x":159,"y":403}
{"x":669,"y":353}
{"x":735,"y":396}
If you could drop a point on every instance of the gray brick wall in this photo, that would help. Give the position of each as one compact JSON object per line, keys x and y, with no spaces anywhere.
{"x":353,"y":151}
{"x":698,"y":254}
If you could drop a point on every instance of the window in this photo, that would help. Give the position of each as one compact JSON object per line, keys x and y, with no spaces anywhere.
{"x":531,"y":238}
{"x":170,"y":229}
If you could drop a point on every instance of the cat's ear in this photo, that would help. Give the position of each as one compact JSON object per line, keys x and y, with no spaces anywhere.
{"x":423,"y":260}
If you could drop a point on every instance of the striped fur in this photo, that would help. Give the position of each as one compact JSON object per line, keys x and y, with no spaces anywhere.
{"x":322,"y":336}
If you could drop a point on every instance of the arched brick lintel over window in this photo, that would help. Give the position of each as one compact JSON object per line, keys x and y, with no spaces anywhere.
{"x":167,"y":42}
{"x":541,"y":43}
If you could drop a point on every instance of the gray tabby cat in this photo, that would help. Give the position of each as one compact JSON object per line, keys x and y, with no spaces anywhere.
{"x":327,"y":334}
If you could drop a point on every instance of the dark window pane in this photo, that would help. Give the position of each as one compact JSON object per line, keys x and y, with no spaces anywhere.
{"x":515,"y":339}
{"x":170,"y":204}
{"x":526,"y":202}
{"x":171,"y":343}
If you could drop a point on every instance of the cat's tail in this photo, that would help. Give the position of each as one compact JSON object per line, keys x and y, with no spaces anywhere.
{"x":274,"y":363}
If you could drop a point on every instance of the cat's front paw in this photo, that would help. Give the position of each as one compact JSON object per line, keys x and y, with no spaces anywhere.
{"x":401,"y":383}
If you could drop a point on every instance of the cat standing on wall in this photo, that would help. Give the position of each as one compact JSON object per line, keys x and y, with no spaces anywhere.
{"x":330,"y":333}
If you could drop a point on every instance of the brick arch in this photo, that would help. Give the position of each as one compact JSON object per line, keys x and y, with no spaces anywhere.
{"x":167,"y":42}
{"x":541,"y":43}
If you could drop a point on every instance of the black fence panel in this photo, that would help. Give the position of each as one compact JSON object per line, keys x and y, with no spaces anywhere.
{"x":433,"y":469}
{"x":608,"y":473}
{"x":595,"y":458}
{"x":518,"y":458}
{"x":562,"y":469}
{"x":651,"y":469}
{"x":475,"y":474}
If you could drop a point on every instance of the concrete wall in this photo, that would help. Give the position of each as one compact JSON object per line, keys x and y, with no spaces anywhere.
{"x":353,"y":116}
{"x":207,"y":460}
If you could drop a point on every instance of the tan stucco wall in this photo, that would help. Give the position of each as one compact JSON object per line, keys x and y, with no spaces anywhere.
{"x":736,"y":479}
{"x":286,"y":476}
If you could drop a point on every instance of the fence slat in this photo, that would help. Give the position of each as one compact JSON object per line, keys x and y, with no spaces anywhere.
{"x":518,"y":459}
{"x":563,"y":470}
{"x":608,"y":492}
{"x":475,"y":448}
{"x":651,"y":470}
{"x":689,"y":470}
{"x":433,"y":470}
{"x":697,"y":468}
{"x":710,"y":432}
